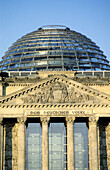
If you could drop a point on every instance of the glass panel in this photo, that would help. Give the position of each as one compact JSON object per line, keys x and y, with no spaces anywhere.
{"x":94,"y":59}
{"x":107,"y":74}
{"x":27,"y":69}
{"x":81,"y":146}
{"x":34,"y":147}
{"x":13,"y":65}
{"x":24,"y":74}
{"x":98,"y":74}
{"x":55,"y":62}
{"x":15,"y":61}
{"x":57,"y":146}
{"x":88,"y":73}
{"x":26,"y":59}
{"x":14,"y":74}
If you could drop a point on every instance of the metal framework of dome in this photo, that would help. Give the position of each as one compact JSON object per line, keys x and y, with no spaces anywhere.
{"x":54,"y":47}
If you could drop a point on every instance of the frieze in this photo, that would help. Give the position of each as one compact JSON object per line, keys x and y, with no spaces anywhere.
{"x":58,"y":112}
{"x":58,"y":92}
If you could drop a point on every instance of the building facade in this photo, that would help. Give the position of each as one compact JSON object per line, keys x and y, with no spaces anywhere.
{"x":56,"y":121}
{"x":57,"y":118}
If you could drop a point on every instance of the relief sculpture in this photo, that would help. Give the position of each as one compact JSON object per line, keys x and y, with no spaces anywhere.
{"x":57,"y":93}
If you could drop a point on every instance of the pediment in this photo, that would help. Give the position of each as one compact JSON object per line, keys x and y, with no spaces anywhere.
{"x":56,"y":90}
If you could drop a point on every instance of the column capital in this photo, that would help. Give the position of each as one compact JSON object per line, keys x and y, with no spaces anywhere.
{"x":93,"y":119}
{"x":70,"y":120}
{"x":21,"y":120}
{"x":44,"y":120}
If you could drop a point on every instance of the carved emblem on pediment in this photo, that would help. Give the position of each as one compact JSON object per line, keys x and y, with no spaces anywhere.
{"x":57,"y":92}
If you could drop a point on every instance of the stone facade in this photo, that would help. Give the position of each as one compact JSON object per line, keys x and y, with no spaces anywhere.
{"x":54,"y":95}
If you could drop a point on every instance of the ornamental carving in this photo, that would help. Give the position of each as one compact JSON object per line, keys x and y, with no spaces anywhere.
{"x":70,"y":120}
{"x":21,"y":120}
{"x":57,"y":92}
{"x":93,"y":119}
{"x":45,"y":120}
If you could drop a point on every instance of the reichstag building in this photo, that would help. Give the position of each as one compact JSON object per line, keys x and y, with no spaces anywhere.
{"x":54,"y":103}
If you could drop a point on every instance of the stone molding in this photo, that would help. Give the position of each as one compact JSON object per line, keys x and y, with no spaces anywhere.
{"x":58,"y":105}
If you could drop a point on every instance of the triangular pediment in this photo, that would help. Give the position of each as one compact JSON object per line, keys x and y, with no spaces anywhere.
{"x":56,"y":90}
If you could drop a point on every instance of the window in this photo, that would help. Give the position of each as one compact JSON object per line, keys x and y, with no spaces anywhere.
{"x":57,"y":146}
{"x":34,"y":146}
{"x":81,"y":146}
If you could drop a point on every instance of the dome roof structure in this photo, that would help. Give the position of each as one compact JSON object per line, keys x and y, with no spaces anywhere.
{"x":54,"y":47}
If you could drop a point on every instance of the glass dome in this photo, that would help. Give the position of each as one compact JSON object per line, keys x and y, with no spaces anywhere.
{"x":54,"y":47}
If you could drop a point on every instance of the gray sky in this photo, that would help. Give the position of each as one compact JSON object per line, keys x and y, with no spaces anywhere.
{"x":89,"y":17}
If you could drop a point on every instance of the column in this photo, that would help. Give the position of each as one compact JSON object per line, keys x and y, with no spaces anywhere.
{"x":1,"y":143}
{"x":70,"y":143}
{"x":21,"y":143}
{"x":1,"y":89}
{"x":93,"y":143}
{"x":108,"y":145}
{"x":45,"y":156}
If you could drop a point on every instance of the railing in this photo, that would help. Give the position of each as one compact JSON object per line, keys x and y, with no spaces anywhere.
{"x":77,"y":74}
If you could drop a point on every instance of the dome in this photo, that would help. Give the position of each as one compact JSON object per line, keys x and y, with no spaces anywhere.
{"x":54,"y":47}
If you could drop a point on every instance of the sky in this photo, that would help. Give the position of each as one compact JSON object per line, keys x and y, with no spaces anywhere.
{"x":89,"y":17}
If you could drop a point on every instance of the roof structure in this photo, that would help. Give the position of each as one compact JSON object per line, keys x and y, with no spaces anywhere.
{"x":54,"y":47}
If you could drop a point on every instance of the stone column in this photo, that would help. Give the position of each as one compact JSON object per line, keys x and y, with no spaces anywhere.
{"x":1,"y":144}
{"x":93,"y":143}
{"x":70,"y":143}
{"x":108,"y":145}
{"x":1,"y":89}
{"x":45,"y":156}
{"x":21,"y":143}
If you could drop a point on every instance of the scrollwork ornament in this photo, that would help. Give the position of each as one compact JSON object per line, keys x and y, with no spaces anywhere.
{"x":21,"y":120}
{"x":45,"y":120}
{"x":93,"y":119}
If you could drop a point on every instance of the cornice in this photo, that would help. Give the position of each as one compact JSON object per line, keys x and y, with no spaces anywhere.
{"x":56,"y":106}
{"x":42,"y":83}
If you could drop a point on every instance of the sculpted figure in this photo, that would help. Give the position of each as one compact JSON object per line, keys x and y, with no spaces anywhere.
{"x":72,"y":96}
{"x":64,"y":97}
{"x":51,"y":97}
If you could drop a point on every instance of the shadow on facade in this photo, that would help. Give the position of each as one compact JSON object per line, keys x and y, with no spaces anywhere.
{"x":103,"y":144}
{"x":8,"y":141}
